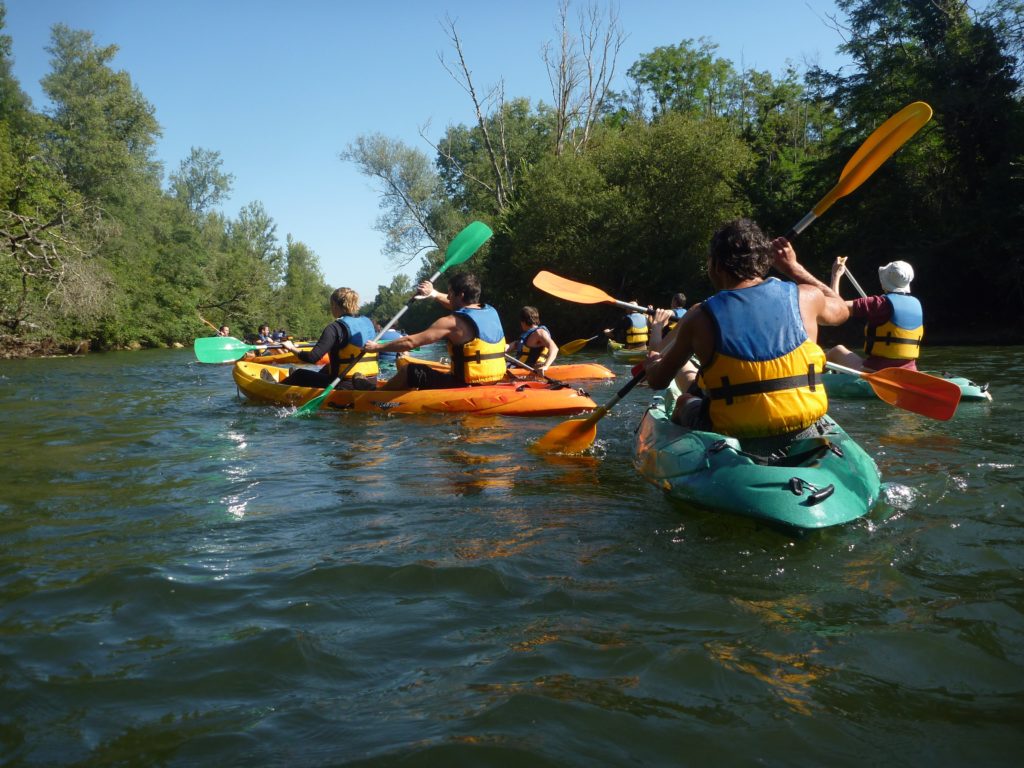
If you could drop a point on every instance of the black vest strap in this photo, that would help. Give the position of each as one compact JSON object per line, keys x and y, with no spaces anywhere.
{"x":729,"y":392}
{"x":889,"y":338}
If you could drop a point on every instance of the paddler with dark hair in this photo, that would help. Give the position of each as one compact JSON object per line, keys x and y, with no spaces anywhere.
{"x":631,"y":330}
{"x":476,"y":342}
{"x":342,"y":341}
{"x":535,"y":347}
{"x":893,"y":321}
{"x":760,"y":378}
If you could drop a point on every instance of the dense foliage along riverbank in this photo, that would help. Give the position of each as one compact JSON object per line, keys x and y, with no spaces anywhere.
{"x":100,"y":243}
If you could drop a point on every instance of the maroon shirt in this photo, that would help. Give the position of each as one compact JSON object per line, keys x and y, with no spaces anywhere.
{"x":876,"y":310}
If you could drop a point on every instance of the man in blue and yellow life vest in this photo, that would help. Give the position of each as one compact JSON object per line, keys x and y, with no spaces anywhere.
{"x":756,"y":339}
{"x":476,"y":342}
{"x":535,"y":347}
{"x":342,"y":341}
{"x":893,"y":322}
{"x":631,"y":330}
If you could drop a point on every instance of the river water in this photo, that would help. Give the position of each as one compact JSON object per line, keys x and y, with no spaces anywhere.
{"x":187,"y":579}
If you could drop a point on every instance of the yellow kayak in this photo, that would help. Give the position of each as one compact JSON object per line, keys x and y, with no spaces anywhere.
{"x":525,"y":398}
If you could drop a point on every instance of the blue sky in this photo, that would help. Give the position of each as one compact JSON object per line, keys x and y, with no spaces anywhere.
{"x":280,"y":88}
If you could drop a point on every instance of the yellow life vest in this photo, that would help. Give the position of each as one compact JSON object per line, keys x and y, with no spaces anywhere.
{"x":899,"y":338}
{"x":637,"y":334}
{"x":481,"y":360}
{"x":764,"y":377}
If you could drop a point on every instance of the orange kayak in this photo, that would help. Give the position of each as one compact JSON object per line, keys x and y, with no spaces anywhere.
{"x":570,"y":372}
{"x":281,"y":358}
{"x":525,"y":398}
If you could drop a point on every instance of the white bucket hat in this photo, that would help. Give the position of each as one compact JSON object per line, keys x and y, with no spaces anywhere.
{"x":896,"y":276}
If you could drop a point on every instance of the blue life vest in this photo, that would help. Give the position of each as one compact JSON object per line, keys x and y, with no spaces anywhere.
{"x":532,"y":356}
{"x":360,"y":330}
{"x":637,"y":334}
{"x":763,"y":378}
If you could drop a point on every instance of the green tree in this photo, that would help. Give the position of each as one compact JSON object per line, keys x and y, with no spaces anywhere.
{"x":947,"y":201}
{"x":686,"y":77}
{"x":199,"y":181}
{"x":103,"y":130}
{"x":391,"y":298}
{"x":411,"y":194}
{"x":50,"y":284}
{"x":303,"y":305}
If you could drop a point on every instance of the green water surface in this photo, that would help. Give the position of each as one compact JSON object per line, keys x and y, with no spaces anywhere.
{"x":187,"y":579}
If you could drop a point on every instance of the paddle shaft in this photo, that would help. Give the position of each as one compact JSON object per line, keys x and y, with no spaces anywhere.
{"x":601,"y":410}
{"x":530,"y":368}
{"x":844,"y":369}
{"x":855,"y":284}
{"x":208,"y":322}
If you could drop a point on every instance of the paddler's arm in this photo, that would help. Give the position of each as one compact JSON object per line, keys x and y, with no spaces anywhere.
{"x":323,"y":345}
{"x":838,"y":270}
{"x":440,"y":330}
{"x":834,"y":311}
{"x":662,"y":317}
{"x":662,"y":365}
{"x":548,"y":342}
{"x":426,"y":290}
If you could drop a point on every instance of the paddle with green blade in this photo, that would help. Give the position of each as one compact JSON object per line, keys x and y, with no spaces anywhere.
{"x":225,"y":349}
{"x":464,"y":245}
{"x":577,"y":435}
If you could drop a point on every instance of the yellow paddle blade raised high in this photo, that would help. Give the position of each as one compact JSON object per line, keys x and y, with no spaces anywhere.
{"x":876,"y":149}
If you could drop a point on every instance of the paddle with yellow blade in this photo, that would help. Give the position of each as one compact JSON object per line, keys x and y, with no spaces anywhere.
{"x":931,"y":396}
{"x":464,"y":245}
{"x":876,"y":149}
{"x":576,"y":345}
{"x":225,"y":349}
{"x":580,"y":293}
{"x":913,"y":391}
{"x":577,"y":435}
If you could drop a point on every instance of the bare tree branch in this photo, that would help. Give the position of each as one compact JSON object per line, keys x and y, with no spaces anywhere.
{"x":502,"y":186}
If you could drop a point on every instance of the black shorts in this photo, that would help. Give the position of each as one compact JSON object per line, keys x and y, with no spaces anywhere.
{"x":305,"y":377}
{"x":425,"y":377}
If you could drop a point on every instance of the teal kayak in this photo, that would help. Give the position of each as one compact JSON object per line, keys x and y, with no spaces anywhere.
{"x":845,"y":386}
{"x":819,"y":482}
{"x":623,"y":355}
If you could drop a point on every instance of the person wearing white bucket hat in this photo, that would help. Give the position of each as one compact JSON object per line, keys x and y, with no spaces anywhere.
{"x":894,"y":321}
